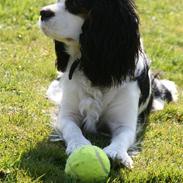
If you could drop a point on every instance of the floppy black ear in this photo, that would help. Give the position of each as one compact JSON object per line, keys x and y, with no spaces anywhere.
{"x":62,"y":57}
{"x":110,"y":42}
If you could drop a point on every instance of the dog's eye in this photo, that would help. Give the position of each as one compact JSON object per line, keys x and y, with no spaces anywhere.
{"x":78,"y":6}
{"x":73,"y":6}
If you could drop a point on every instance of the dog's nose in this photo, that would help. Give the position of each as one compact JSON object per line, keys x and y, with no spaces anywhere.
{"x":46,"y":14}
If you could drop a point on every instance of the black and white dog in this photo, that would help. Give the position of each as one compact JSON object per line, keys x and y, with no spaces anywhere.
{"x":106,"y":79}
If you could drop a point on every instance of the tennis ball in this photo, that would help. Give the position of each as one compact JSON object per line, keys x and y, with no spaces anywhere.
{"x":88,"y":164}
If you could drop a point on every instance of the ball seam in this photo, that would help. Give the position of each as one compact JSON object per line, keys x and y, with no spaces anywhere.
{"x":101,"y":161}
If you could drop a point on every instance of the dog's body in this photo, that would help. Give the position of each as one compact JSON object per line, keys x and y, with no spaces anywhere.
{"x":106,"y":79}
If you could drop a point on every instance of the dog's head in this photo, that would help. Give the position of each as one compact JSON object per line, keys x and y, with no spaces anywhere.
{"x":106,"y":31}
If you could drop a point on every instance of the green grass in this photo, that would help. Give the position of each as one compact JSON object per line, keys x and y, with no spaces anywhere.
{"x":27,"y":68}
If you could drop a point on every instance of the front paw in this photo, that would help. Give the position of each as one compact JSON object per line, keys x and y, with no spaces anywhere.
{"x":72,"y":146}
{"x":121,"y":156}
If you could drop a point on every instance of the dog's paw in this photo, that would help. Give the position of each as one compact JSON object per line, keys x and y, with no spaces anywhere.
{"x":121,"y":156}
{"x":72,"y":146}
{"x":55,"y":138}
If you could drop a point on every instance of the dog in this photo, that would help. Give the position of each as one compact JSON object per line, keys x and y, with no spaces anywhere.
{"x":105,"y":80}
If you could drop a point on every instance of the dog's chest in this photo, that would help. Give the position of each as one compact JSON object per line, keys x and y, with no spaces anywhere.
{"x":91,"y":103}
{"x":92,"y":100}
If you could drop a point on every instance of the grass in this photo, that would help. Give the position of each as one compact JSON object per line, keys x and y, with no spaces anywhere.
{"x":27,"y":68}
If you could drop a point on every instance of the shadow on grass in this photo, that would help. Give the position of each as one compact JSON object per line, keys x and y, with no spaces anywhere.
{"x":46,"y":162}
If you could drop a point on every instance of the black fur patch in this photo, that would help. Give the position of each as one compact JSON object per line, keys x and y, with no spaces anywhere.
{"x":62,"y":57}
{"x":110,"y":42}
{"x":144,"y":85}
{"x":144,"y":82}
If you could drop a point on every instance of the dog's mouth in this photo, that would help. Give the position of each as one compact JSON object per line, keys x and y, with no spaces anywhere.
{"x":43,"y":27}
{"x":51,"y":34}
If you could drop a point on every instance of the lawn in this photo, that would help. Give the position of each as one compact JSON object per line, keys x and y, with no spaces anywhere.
{"x":27,"y":68}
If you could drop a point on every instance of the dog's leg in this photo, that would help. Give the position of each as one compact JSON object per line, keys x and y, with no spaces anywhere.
{"x":72,"y":134}
{"x":122,"y":139}
{"x":121,"y":117}
{"x":69,"y":117}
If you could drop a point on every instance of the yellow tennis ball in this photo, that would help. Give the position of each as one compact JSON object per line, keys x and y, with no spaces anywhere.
{"x":88,"y":164}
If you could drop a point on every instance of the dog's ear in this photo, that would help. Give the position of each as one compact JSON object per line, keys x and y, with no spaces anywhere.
{"x":110,"y":42}
{"x":62,"y":57}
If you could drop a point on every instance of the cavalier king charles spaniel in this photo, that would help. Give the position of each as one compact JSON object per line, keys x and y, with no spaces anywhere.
{"x":106,"y":82}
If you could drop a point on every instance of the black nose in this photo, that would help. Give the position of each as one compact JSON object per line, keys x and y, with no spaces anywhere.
{"x":46,"y":14}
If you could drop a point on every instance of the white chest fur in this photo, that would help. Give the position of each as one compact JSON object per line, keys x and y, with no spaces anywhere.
{"x":90,"y":104}
{"x":90,"y":101}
